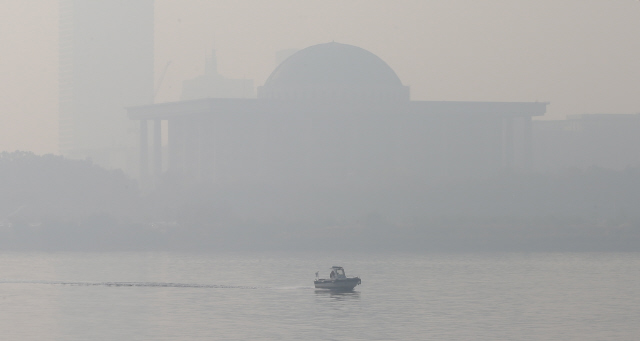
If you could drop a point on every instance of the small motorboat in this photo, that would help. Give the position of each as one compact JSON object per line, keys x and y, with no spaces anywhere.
{"x":337,"y":280}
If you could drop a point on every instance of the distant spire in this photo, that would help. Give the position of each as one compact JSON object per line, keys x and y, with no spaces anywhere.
{"x":211,"y":64}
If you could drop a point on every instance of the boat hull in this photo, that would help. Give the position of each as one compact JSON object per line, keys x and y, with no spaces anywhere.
{"x":337,"y":284}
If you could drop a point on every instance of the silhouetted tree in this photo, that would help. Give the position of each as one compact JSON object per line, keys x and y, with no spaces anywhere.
{"x":53,"y":187}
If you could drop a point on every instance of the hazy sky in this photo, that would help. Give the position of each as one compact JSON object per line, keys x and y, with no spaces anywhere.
{"x":583,"y":56}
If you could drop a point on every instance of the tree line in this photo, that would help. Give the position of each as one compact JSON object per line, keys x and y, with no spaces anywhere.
{"x":48,"y":201}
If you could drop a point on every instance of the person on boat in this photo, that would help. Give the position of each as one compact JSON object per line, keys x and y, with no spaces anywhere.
{"x":332,"y":275}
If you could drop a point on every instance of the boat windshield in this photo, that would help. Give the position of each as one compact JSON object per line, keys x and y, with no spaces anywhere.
{"x":339,"y":272}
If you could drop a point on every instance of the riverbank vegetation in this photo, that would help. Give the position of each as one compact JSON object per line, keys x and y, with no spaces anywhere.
{"x":52,"y":203}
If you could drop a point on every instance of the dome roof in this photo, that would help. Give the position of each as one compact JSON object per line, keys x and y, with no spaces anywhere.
{"x":333,"y":63}
{"x":333,"y":71}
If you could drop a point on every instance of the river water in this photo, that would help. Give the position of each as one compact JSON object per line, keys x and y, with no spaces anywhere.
{"x":270,"y":296}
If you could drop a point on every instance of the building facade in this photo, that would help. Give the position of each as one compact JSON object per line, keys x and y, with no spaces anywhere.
{"x":332,"y":115}
{"x":590,"y":140}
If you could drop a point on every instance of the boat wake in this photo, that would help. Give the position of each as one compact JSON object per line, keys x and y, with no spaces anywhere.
{"x":135,"y":284}
{"x":292,"y":288}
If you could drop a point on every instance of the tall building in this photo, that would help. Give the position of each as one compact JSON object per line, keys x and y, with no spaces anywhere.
{"x":106,"y":64}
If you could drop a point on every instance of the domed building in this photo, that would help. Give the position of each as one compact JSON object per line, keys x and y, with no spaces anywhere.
{"x":334,"y":71}
{"x":333,"y":115}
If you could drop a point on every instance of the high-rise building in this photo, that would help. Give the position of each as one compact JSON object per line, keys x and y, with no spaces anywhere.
{"x":106,"y":64}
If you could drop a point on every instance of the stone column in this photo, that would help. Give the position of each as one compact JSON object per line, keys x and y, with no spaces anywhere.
{"x":157,"y":149}
{"x":175,"y":137}
{"x":144,"y":151}
{"x":191,"y":149}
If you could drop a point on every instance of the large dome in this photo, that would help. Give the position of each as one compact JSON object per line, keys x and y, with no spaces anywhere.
{"x":333,"y":71}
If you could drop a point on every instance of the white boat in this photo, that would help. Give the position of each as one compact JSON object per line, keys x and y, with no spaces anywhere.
{"x":337,"y":280}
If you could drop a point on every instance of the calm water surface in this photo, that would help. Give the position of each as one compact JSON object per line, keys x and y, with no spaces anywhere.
{"x":270,"y":296}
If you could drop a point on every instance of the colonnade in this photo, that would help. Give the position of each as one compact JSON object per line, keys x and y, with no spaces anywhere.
{"x":190,"y":150}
